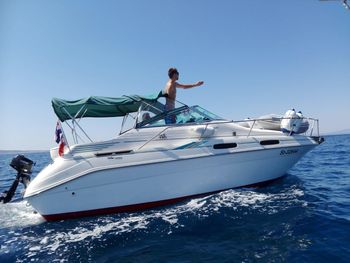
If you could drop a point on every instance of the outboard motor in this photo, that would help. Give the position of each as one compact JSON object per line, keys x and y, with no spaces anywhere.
{"x":294,"y":122}
{"x":304,"y":125}
{"x":288,"y":123}
{"x":23,"y":166}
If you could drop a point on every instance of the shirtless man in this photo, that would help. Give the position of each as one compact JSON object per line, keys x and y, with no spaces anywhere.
{"x":172,"y":85}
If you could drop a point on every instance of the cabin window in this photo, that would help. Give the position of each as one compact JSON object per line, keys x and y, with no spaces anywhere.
{"x":225,"y":145}
{"x":269,"y":142}
{"x":112,"y":153}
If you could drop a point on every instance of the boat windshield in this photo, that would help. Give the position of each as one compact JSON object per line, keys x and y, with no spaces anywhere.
{"x":177,"y":116}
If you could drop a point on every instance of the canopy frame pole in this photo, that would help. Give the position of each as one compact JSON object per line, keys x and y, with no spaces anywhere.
{"x":77,"y":135}
{"x":82,"y":116}
{"x":72,"y":129}
{"x":124,"y":118}
{"x":74,"y":133}
{"x":76,"y":115}
{"x":137,"y":116}
{"x":73,"y":120}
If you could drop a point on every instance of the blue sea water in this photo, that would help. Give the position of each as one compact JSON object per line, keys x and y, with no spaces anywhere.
{"x":302,"y":217}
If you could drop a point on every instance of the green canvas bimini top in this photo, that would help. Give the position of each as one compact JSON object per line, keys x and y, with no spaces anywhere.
{"x":99,"y":107}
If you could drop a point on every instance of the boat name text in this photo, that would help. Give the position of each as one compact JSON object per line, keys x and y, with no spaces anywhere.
{"x":290,"y":151}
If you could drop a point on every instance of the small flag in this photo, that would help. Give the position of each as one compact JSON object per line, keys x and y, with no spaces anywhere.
{"x":61,"y":147}
{"x":58,"y":132}
{"x":59,"y":138}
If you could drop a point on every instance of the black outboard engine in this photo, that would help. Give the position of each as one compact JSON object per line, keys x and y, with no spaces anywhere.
{"x":23,"y":166}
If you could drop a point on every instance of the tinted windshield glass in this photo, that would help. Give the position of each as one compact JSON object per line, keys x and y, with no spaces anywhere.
{"x":208,"y":114}
{"x":180,"y":115}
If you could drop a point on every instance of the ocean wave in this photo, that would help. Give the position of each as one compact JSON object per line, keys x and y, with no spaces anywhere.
{"x":56,"y":237}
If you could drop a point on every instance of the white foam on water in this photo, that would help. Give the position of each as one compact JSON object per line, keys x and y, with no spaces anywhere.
{"x":18,"y":214}
{"x":131,"y":222}
{"x":57,"y":240}
{"x":235,"y":199}
{"x":82,"y":232}
{"x":250,"y":200}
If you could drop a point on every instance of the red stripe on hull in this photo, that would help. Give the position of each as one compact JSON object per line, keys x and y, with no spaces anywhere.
{"x":112,"y":210}
{"x":137,"y":207}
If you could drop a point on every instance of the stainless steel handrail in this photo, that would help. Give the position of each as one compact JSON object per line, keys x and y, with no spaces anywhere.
{"x":158,"y":134}
{"x":314,"y":121}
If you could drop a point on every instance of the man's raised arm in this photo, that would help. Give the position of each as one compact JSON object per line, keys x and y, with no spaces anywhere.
{"x":188,"y":86}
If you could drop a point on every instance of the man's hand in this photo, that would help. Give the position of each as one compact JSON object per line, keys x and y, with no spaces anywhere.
{"x":199,"y":83}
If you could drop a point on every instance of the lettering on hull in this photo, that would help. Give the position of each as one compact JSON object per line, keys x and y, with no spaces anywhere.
{"x":289,"y":151}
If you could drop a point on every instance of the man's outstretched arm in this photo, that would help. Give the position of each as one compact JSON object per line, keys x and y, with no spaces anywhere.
{"x":188,"y":86}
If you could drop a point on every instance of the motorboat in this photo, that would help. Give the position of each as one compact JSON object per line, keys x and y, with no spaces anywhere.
{"x":158,"y":158}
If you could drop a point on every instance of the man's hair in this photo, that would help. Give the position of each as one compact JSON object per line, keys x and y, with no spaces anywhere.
{"x":172,"y":71}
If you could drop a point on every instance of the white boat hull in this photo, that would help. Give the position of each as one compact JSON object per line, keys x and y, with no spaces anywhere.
{"x":138,"y":187}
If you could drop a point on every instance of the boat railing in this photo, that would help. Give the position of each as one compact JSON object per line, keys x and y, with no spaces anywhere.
{"x":252,"y":124}
{"x":157,"y":135}
{"x":313,"y":129}
{"x":313,"y":123}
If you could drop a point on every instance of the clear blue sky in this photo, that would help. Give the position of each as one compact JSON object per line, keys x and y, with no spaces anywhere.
{"x":256,"y":57}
